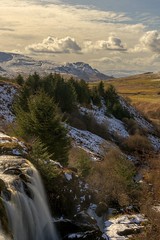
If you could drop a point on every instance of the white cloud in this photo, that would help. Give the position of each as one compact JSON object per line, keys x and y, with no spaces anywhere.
{"x":150,"y":41}
{"x":134,"y":28}
{"x":55,"y":45}
{"x":98,"y":34}
{"x":113,"y":43}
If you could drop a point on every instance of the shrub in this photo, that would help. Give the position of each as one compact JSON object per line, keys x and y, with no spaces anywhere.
{"x":94,"y":127}
{"x":80,"y":160}
{"x":133,"y":127}
{"x":113,"y":178}
{"x":137,"y":143}
{"x":88,"y":122}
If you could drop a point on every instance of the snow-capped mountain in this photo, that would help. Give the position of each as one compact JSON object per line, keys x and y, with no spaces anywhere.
{"x":82,"y":71}
{"x":12,"y":64}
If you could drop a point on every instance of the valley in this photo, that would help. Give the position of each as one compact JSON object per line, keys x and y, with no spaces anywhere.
{"x":106,"y":177}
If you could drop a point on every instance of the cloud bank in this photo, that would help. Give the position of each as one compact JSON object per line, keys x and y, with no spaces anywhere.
{"x":150,"y":41}
{"x":113,"y":43}
{"x":55,"y":45}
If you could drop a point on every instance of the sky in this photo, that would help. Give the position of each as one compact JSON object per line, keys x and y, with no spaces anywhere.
{"x":114,"y":36}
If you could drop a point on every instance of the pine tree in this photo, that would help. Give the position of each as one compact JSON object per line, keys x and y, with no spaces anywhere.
{"x":96,"y":99}
{"x":82,"y":91}
{"x":20,"y":80}
{"x":101,"y":89}
{"x":42,"y":121}
{"x":111,"y":97}
{"x":65,"y":95}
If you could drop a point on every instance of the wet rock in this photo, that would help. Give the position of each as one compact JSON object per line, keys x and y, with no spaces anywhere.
{"x":24,"y":177}
{"x":83,"y":218}
{"x":130,"y":231}
{"x":2,"y":185}
{"x":7,"y":194}
{"x":28,"y":191}
{"x":90,"y":235}
{"x":101,"y":209}
{"x":12,"y":171}
{"x":76,"y":230}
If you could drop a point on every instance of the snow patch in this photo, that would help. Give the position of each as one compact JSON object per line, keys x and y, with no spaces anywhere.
{"x":90,"y":142}
{"x":155,"y":141}
{"x":115,"y":227}
{"x":113,"y":125}
{"x":75,"y":235}
{"x":68,"y":176}
{"x":136,"y":115}
{"x":7,"y":93}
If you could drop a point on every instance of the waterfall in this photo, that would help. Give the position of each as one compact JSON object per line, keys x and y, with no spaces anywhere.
{"x":26,"y":207}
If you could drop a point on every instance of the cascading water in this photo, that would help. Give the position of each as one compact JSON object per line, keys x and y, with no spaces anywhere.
{"x":25,"y":202}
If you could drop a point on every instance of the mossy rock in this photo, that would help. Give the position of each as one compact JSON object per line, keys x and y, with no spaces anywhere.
{"x":9,"y":148}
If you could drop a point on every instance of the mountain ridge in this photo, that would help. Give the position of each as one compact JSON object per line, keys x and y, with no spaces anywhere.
{"x":12,"y":64}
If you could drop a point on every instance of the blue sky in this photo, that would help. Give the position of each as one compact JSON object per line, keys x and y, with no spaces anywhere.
{"x":152,"y":6}
{"x":114,"y":36}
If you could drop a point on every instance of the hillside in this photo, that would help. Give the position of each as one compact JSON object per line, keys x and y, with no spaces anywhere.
{"x":143,"y":91}
{"x":109,"y":168}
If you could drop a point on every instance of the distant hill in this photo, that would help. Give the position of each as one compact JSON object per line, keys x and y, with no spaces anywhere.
{"x":11,"y":64}
{"x":82,"y":71}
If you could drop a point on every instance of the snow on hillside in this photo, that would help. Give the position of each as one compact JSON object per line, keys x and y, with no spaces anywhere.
{"x":155,"y":141}
{"x":7,"y":93}
{"x":137,"y":116}
{"x":113,"y":125}
{"x":91,"y":143}
{"x":11,"y":64}
{"x":82,"y":71}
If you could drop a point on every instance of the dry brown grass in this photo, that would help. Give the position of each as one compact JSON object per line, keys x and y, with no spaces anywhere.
{"x":137,"y":143}
{"x":113,"y":178}
{"x":79,"y":161}
{"x":143,"y":91}
{"x":150,"y":196}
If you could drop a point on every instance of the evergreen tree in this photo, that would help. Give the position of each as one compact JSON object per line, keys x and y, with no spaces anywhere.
{"x":43,"y":121}
{"x":101,"y":89}
{"x":65,"y":95}
{"x":20,"y":80}
{"x":96,"y":99}
{"x":111,"y":97}
{"x":82,"y":91}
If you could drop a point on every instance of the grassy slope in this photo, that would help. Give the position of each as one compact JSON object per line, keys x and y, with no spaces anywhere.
{"x":144,"y":92}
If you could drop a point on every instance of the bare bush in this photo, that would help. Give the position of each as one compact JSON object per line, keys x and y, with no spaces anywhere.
{"x":113,"y":178}
{"x":137,"y":143}
{"x":80,"y":160}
